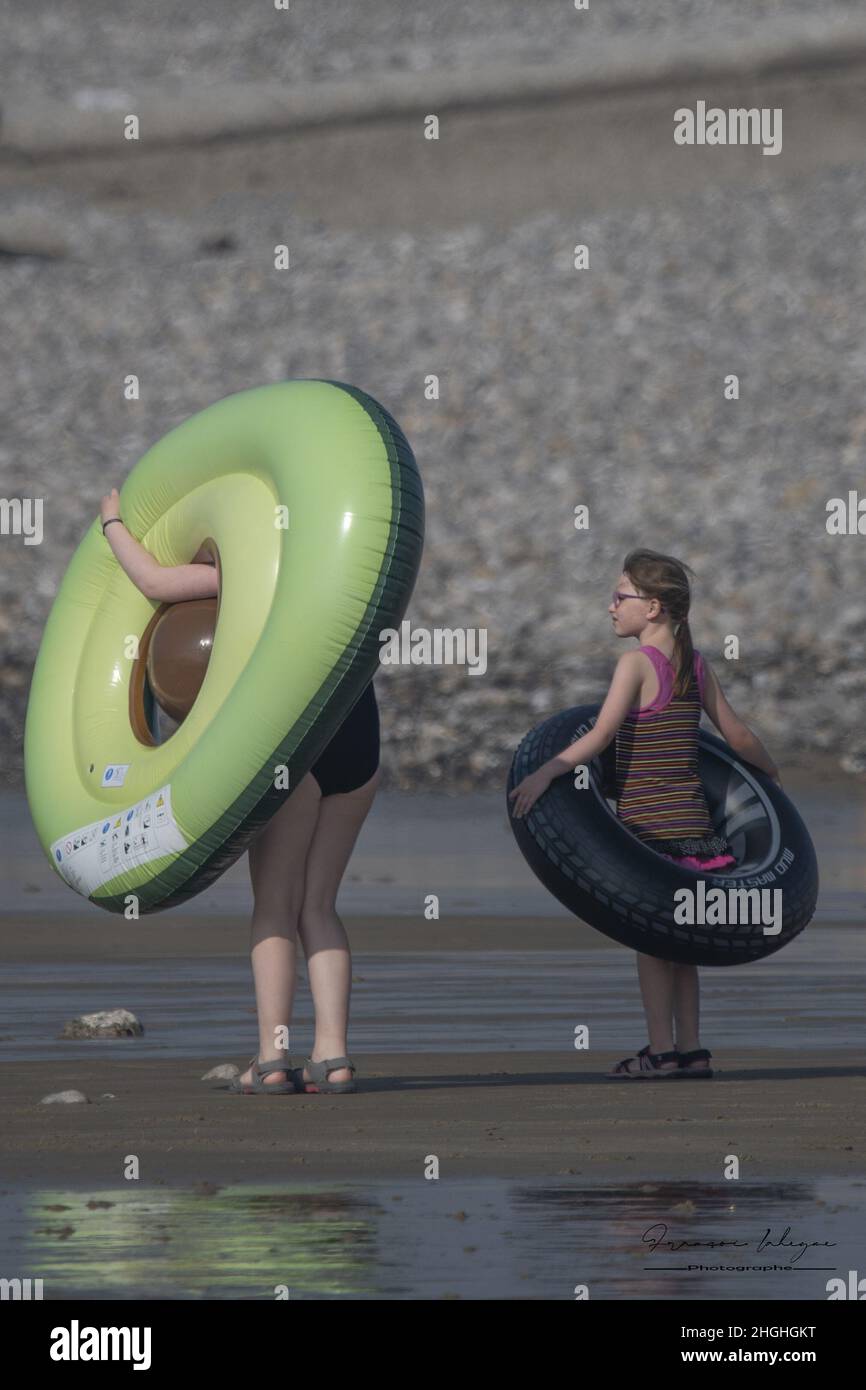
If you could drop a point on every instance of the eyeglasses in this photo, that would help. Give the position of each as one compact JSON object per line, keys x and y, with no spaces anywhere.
{"x":617,"y":598}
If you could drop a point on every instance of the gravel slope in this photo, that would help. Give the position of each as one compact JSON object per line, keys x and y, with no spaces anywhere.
{"x":94,"y":44}
{"x":557,"y":389}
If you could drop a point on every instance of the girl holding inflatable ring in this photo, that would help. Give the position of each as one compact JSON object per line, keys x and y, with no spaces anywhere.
{"x":296,"y":861}
{"x":652,"y":709}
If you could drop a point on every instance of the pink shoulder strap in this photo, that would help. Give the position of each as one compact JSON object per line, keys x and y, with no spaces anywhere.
{"x":665,"y":674}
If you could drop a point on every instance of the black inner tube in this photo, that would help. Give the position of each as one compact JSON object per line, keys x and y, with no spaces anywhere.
{"x":597,"y":867}
{"x":739,"y":808}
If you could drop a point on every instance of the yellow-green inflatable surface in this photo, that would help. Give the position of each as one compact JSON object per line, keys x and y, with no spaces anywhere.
{"x":308,"y":494}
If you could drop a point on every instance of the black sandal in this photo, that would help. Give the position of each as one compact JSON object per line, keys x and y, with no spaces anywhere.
{"x":650,"y":1066}
{"x":700,"y":1054}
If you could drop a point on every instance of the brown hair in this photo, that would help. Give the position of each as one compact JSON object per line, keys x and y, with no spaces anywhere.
{"x":663,"y":577}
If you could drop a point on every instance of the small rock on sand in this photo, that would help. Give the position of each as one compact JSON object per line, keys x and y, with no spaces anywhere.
{"x":226,"y":1071}
{"x":65,"y":1098}
{"x":109,"y":1023}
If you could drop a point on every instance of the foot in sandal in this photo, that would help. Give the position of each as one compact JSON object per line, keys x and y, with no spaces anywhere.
{"x":696,"y":1063}
{"x":330,"y":1076}
{"x":647,"y":1065}
{"x":274,"y":1076}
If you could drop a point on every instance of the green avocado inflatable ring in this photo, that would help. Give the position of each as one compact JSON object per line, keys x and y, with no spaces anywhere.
{"x":307,"y":495}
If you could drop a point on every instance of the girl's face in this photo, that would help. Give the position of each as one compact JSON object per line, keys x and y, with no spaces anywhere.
{"x":630,"y":615}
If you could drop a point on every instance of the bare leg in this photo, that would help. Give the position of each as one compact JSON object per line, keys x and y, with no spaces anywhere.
{"x":687,"y":995}
{"x":657,"y":991}
{"x":277,"y":857}
{"x":326,"y":946}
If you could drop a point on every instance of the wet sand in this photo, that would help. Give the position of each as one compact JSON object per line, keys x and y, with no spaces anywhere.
{"x":541,"y":1115}
{"x":784,"y":1105}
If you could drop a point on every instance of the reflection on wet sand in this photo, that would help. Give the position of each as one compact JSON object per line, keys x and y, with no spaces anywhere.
{"x":475,"y":1238}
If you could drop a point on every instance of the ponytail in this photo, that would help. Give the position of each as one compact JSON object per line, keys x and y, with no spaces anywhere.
{"x":664,"y":577}
{"x":684,"y":656}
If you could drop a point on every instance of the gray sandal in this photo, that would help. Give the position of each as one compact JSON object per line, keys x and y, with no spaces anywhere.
{"x":318,"y":1083}
{"x":259,"y":1087}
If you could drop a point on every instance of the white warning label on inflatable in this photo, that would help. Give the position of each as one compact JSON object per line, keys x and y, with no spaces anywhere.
{"x":115,"y":775}
{"x":95,"y":854}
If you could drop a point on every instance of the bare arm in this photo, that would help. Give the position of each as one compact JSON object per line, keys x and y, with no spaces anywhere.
{"x":163,"y":583}
{"x":622,"y":695}
{"x":732,"y":728}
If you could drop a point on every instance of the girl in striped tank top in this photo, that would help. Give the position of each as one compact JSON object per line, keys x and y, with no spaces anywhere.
{"x":653,"y":710}
{"x":658,"y":791}
{"x":659,"y":794}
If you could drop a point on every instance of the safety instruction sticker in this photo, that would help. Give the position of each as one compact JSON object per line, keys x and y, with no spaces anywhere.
{"x":95,"y":854}
{"x":115,"y":775}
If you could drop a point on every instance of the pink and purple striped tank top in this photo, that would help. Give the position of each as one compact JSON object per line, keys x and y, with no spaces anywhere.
{"x":659,"y":793}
